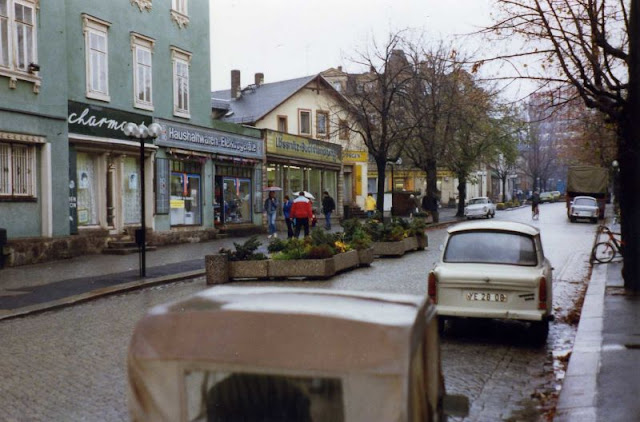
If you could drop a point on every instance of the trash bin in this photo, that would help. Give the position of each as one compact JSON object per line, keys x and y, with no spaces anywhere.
{"x":346,"y":213}
{"x":3,"y":244}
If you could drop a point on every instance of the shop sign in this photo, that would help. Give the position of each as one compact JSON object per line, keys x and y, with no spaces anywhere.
{"x":212,"y":141}
{"x":94,"y":120}
{"x":295,"y":146}
{"x":349,"y":156}
{"x":444,"y":173}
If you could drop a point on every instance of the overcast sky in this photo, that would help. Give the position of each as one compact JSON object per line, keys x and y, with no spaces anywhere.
{"x":286,"y":39}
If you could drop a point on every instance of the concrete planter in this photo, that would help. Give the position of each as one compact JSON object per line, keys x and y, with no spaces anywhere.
{"x":248,"y":269}
{"x":217,"y":269}
{"x":410,"y":244}
{"x":366,"y":256}
{"x":313,"y":268}
{"x":389,"y":248}
{"x":346,"y":260}
{"x":423,"y":242}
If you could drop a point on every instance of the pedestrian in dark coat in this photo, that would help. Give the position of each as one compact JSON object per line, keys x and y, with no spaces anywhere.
{"x":328,"y":206}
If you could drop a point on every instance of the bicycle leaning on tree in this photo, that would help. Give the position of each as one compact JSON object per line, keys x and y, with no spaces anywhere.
{"x":605,"y":251}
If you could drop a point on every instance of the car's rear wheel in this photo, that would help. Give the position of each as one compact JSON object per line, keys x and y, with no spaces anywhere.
{"x":441,"y":324}
{"x":572,"y":219}
{"x":540,"y":332}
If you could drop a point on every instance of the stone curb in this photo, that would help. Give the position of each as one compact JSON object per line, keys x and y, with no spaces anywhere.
{"x":578,"y":397}
{"x":94,"y":294}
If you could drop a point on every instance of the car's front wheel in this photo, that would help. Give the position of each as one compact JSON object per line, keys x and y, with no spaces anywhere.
{"x":540,"y":332}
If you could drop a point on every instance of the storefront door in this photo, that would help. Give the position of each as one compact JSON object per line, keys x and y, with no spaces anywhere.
{"x":185,"y":199}
{"x":236,"y":200}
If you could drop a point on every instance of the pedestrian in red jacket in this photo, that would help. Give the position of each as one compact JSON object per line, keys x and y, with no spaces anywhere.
{"x":301,"y":211}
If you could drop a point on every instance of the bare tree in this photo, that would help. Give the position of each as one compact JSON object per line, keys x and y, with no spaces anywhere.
{"x":431,"y":106}
{"x":592,"y":45}
{"x":377,"y":104}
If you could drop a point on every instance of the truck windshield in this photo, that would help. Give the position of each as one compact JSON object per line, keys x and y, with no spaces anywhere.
{"x":491,"y":247}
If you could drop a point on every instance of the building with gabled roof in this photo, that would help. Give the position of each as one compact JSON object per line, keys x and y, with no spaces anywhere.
{"x":305,"y":126}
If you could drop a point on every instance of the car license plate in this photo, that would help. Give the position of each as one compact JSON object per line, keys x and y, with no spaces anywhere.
{"x":486,"y":297}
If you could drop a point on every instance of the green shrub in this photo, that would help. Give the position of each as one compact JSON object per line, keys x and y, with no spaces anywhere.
{"x":277,"y":245}
{"x":417,"y":227}
{"x":360,"y":239}
{"x":500,"y":206}
{"x":509,"y":204}
{"x":320,"y":252}
{"x":245,"y":251}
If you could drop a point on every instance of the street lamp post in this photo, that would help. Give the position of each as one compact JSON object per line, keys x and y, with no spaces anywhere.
{"x":394,"y":162}
{"x":141,"y":132}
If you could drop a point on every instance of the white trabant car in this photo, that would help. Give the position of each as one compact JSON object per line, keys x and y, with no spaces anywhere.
{"x":494,"y":269}
{"x":480,"y":207}
{"x":584,"y":207}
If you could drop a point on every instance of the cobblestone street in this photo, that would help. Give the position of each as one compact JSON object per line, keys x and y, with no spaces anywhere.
{"x":70,"y":364}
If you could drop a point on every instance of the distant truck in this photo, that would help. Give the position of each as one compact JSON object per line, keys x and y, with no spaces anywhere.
{"x":587,"y":181}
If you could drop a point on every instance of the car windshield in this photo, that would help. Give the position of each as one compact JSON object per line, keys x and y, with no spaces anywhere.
{"x":491,"y":247}
{"x":475,"y":201}
{"x":584,"y":201}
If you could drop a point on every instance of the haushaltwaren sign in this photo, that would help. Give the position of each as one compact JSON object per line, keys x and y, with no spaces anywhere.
{"x":208,"y":140}
{"x":284,"y":144}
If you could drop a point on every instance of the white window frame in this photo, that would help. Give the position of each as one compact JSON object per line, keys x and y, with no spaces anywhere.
{"x":180,"y":13}
{"x":99,"y":27}
{"x":10,"y":25}
{"x":319,"y":134}
{"x":144,"y":44}
{"x":10,"y":162}
{"x":308,"y":112}
{"x":181,"y":57}
{"x":180,"y":6}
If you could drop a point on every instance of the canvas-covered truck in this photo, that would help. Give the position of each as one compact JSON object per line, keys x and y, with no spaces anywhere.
{"x":587,"y":181}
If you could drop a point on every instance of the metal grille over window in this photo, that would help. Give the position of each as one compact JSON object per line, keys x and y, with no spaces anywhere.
{"x":17,"y":164}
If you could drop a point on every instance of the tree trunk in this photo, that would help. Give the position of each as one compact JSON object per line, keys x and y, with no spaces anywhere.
{"x":382,"y":166}
{"x":432,"y":188}
{"x":629,"y":151}
{"x":462,"y":194}
{"x":504,"y":189}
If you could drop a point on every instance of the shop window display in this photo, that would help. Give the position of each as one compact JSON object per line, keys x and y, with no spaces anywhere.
{"x":87,"y":195}
{"x":185,"y":194}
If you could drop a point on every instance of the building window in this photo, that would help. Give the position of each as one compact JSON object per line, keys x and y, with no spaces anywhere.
{"x":17,"y":170}
{"x":322,"y":124}
{"x":282,"y":124}
{"x":181,"y":60}
{"x":18,"y":50}
{"x":343,"y":132}
{"x":179,"y":12}
{"x":142,"y":71}
{"x":96,"y":58}
{"x":304,"y":119}
{"x":179,"y":6}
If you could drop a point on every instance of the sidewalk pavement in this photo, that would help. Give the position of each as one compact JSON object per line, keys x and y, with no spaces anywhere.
{"x":602,"y":382}
{"x":35,"y":288}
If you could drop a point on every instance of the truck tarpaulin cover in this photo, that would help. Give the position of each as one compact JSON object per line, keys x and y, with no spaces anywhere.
{"x":587,"y":179}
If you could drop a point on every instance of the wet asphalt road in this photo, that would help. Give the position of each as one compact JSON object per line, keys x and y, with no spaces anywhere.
{"x":69,"y":364}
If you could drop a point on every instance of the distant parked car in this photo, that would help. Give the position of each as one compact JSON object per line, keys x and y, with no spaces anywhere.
{"x":584,"y":207}
{"x":494,"y":269}
{"x":556,"y":195}
{"x":546,"y":197}
{"x":480,"y":207}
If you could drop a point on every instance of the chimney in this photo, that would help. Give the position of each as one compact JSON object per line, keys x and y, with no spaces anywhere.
{"x":235,"y":84}
{"x":259,"y":79}
{"x":339,"y":68}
